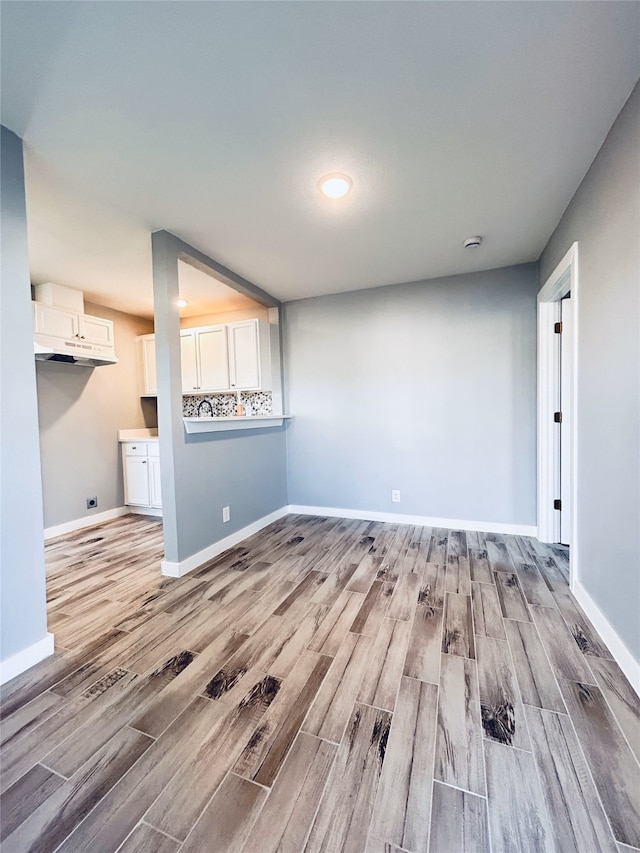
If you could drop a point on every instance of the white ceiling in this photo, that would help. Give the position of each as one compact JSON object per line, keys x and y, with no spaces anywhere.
{"x":215,"y":120}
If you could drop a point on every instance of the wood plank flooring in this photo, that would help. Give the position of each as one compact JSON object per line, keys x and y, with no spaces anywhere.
{"x":326,"y":686}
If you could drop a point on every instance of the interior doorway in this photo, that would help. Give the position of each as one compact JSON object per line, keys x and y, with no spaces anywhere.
{"x":557,"y":399}
{"x":566,"y":393}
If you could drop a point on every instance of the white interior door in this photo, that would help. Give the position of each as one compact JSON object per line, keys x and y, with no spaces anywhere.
{"x":566,"y":400}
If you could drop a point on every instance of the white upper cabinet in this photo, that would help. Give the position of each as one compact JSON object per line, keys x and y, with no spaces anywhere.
{"x":95,"y":330}
{"x":244,"y":357}
{"x":203,"y":354}
{"x":213,"y":359}
{"x":64,"y":323}
{"x":56,"y":322}
{"x":147,"y":365}
{"x":189,"y":362}
{"x":228,"y":357}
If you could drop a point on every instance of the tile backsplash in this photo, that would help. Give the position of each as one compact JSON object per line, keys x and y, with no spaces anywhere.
{"x":224,"y":405}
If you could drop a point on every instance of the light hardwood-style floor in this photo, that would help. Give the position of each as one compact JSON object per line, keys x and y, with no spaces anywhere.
{"x":327,"y":685}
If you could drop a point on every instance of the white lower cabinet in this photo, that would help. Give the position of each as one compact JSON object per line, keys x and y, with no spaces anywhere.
{"x":141,"y":464}
{"x":154,"y":481}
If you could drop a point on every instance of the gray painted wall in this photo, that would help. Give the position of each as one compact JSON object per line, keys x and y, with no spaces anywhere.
{"x":429,"y":388}
{"x":22,"y":595}
{"x":203,"y":473}
{"x":604,"y":217}
{"x":80,"y":411}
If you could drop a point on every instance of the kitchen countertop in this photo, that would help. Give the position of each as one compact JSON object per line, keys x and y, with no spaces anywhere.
{"x":138,"y":435}
{"x":214,"y":424}
{"x":208,"y":424}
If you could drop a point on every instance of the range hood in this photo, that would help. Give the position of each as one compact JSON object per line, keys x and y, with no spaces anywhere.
{"x":72,"y":352}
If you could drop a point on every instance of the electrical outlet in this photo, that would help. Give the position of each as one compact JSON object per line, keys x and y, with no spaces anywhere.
{"x":92,"y":503}
{"x":395,"y":496}
{"x":226,"y":514}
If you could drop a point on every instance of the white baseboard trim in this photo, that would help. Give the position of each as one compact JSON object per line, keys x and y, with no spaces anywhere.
{"x":154,"y":511}
{"x":33,"y":654}
{"x":86,"y":521}
{"x":422,"y":520}
{"x":183,"y":567}
{"x":623,"y":657}
{"x":177,"y":570}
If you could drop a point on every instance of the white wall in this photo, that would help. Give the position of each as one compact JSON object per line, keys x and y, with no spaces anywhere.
{"x":429,"y":388}
{"x":22,"y":594}
{"x":604,"y":217}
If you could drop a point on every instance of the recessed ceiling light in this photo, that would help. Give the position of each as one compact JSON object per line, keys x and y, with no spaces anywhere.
{"x":182,"y":303}
{"x":335,"y":186}
{"x":472,"y":242}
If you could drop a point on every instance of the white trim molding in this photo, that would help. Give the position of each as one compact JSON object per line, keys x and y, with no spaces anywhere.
{"x":87,"y":521}
{"x":21,"y":661}
{"x":154,"y":511}
{"x":623,"y":657}
{"x":422,"y":520}
{"x":563,"y":279}
{"x":178,"y":569}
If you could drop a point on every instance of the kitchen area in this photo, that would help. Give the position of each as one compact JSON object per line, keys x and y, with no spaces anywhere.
{"x":99,"y":434}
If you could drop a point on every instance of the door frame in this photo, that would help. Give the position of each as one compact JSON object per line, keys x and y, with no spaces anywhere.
{"x":563,"y":279}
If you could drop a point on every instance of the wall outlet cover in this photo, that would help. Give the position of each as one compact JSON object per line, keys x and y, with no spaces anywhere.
{"x":226,"y":514}
{"x":395,"y":496}
{"x":92,"y":503}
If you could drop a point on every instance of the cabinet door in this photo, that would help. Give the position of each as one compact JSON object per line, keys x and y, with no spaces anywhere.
{"x":96,"y":330}
{"x":190,"y":382}
{"x":54,"y":321}
{"x":136,"y":481}
{"x":147,"y":366}
{"x":154,"y":481}
{"x":244,"y":362}
{"x":213,"y":362}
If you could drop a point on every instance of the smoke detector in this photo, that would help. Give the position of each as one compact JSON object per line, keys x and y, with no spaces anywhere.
{"x":472,"y":242}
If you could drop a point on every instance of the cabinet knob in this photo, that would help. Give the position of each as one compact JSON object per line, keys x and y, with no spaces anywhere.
{"x":144,"y":461}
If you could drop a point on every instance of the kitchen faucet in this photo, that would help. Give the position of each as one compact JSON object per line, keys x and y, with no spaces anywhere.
{"x":205,"y":403}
